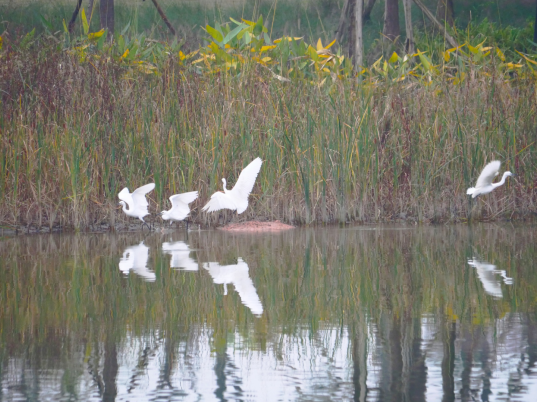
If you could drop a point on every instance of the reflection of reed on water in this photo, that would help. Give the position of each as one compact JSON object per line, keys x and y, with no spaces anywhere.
{"x":378,"y":312}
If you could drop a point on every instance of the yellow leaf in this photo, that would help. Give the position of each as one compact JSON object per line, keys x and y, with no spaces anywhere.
{"x":248,"y":22}
{"x":446,"y":56}
{"x":85,"y":24}
{"x":96,"y":35}
{"x":1,"y":42}
{"x":319,"y":44}
{"x":394,"y":58}
{"x":330,"y":44}
{"x":265,"y":48}
{"x":500,"y":54}
{"x":124,"y":54}
{"x":181,"y":56}
{"x":527,"y":59}
{"x":266,"y":59}
{"x":513,"y":65}
{"x":288,"y":38}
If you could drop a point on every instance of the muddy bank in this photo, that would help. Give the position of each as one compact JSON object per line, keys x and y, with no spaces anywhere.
{"x":256,"y":226}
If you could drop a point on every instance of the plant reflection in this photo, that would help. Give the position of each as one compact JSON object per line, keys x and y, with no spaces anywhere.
{"x":357,"y":313}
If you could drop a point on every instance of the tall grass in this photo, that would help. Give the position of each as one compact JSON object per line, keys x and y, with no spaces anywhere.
{"x":74,"y":134}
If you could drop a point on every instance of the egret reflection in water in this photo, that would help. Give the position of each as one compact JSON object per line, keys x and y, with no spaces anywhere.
{"x":180,"y":255}
{"x":135,"y":258}
{"x":238,"y":276}
{"x":487,"y":275}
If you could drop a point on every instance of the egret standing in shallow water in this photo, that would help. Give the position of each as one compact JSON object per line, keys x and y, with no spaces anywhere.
{"x":237,"y":197}
{"x":180,"y":209}
{"x":136,"y":201}
{"x":484,"y":183}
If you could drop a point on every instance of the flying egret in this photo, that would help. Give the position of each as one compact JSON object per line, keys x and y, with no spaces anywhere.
{"x":136,"y":201}
{"x":237,"y":197}
{"x":484,"y":183}
{"x":180,"y":209}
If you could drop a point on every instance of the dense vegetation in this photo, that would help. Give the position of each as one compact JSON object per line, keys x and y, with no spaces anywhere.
{"x":82,"y":117}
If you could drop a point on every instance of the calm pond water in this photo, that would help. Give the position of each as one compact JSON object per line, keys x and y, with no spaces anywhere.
{"x":357,"y":313}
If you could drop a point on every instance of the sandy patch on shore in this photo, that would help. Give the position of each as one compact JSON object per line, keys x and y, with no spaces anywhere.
{"x":256,"y":226}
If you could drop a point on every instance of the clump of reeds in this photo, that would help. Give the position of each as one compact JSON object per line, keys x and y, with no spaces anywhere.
{"x":74,"y":133}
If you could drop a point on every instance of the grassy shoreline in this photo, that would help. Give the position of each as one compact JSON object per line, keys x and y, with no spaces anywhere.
{"x":76,"y":135}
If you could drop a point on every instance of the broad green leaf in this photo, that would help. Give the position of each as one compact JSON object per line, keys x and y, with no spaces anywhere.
{"x":124,"y":30}
{"x":214,"y":33}
{"x":232,"y":34}
{"x":258,"y":28}
{"x":85,"y":24}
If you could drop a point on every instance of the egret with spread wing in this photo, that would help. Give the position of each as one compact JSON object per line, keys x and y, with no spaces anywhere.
{"x":484,"y":183}
{"x":237,"y":197}
{"x":180,"y":208}
{"x":136,"y":201}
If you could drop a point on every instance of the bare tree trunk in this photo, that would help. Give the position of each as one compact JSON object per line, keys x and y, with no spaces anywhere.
{"x":409,"y":44}
{"x":391,"y":20}
{"x":439,"y":25}
{"x":106,"y":12}
{"x":71,"y":25}
{"x":341,"y":25}
{"x":163,"y":16}
{"x":368,"y":7}
{"x":444,"y":11}
{"x":352,"y":28}
{"x":358,"y":43}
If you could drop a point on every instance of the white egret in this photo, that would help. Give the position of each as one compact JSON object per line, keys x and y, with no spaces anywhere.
{"x":237,"y":197}
{"x":180,"y":209}
{"x":486,"y":273}
{"x":136,"y":201}
{"x":236,"y":274}
{"x":135,"y":258}
{"x":484,"y":183}
{"x":180,"y":256}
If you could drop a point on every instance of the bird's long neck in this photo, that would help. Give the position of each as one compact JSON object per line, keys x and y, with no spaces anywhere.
{"x":225,"y":189}
{"x":502,"y":181}
{"x":124,"y":206}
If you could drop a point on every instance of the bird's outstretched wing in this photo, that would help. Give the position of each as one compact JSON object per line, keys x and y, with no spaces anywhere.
{"x":138,"y":196}
{"x":124,"y":195}
{"x":180,"y":204}
{"x":219,"y":201}
{"x":488,"y":173}
{"x":245,"y":184}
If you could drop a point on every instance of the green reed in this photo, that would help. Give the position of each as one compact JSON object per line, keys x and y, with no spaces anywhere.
{"x":342,"y":151}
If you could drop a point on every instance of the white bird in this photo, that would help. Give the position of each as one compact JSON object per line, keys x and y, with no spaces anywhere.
{"x":238,"y":276}
{"x":486,"y":273}
{"x":484,"y":183}
{"x":180,"y":253}
{"x":135,"y":258}
{"x":180,"y":209}
{"x":237,"y":197}
{"x":136,"y":201}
